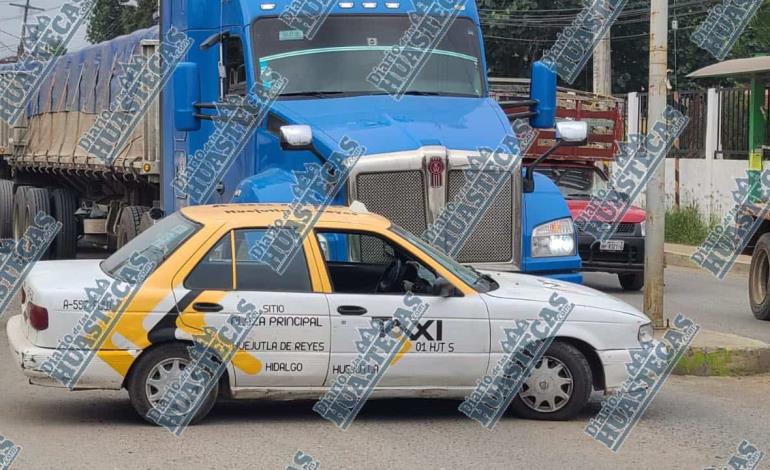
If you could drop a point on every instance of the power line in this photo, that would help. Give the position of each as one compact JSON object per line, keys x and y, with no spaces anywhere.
{"x":27,"y":7}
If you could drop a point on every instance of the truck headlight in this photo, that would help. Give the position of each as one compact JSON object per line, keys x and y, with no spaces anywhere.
{"x":645,"y":334}
{"x":555,"y":238}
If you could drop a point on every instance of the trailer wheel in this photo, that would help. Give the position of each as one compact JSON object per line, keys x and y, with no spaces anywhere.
{"x":759,"y":276}
{"x":36,"y":200}
{"x":64,"y":204}
{"x":6,"y":208}
{"x":19,"y":210}
{"x":130,"y":219}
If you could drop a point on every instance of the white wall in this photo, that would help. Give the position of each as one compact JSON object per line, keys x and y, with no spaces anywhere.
{"x":706,"y":182}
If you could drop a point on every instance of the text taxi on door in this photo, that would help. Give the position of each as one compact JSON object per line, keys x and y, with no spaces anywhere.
{"x":353,"y":268}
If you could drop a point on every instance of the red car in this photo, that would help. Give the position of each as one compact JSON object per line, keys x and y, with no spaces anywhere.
{"x":623,"y":254}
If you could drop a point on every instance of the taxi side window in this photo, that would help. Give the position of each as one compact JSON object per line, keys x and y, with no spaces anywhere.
{"x":215,"y":270}
{"x":366,"y":263}
{"x":251,"y":275}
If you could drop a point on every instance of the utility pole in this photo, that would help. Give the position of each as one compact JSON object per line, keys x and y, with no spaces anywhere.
{"x":603,"y":66}
{"x":656,"y":189}
{"x":27,"y":7}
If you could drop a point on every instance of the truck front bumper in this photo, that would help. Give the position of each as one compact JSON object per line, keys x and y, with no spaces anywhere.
{"x":630,"y":260}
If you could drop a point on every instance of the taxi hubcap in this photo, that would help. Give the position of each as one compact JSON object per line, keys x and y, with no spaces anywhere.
{"x":549,"y":388}
{"x":162,"y":376}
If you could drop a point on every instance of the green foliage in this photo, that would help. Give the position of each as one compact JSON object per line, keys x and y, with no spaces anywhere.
{"x":686,"y":226}
{"x":113,"y":18}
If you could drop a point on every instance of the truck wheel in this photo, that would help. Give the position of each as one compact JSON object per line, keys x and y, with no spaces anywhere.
{"x":6,"y":208}
{"x":631,"y":281}
{"x":36,"y":200}
{"x":19,"y":205}
{"x":130,"y":220}
{"x":155,"y":372}
{"x":64,"y":204}
{"x":559,"y":387}
{"x":759,"y":276}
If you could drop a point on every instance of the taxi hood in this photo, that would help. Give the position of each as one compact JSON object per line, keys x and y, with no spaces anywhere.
{"x":534,"y":288}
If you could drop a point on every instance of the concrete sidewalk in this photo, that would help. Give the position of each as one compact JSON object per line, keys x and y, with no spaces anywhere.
{"x":713,"y":353}
{"x":679,"y":255}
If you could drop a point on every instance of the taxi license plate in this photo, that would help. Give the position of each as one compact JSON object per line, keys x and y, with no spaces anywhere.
{"x":613,"y":245}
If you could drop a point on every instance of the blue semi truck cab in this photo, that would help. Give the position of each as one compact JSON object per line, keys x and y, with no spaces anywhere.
{"x":417,"y":147}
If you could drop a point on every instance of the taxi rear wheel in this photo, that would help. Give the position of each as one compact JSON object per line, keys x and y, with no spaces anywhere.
{"x":156,"y":370}
{"x":558,"y":388}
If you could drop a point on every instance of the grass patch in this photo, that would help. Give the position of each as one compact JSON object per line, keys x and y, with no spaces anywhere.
{"x":686,"y":226}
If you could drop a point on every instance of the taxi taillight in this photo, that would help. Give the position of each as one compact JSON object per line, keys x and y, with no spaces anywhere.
{"x":38,"y":317}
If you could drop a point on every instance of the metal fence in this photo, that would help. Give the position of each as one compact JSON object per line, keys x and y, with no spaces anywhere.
{"x":733,"y":123}
{"x":694,"y":105}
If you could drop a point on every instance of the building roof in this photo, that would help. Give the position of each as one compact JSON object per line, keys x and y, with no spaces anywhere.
{"x":735,"y":67}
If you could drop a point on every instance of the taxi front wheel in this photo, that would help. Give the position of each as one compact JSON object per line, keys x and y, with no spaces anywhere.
{"x":156,"y":371}
{"x":559,"y":387}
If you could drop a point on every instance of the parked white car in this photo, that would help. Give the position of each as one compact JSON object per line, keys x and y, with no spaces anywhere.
{"x":310,"y":315}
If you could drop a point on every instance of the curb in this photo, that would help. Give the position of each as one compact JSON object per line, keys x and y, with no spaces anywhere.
{"x":724,"y":355}
{"x":683,"y":260}
{"x":722,"y":362}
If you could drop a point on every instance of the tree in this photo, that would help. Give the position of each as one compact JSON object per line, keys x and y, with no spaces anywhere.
{"x":140,"y":16}
{"x":105,"y":23}
{"x":518,"y":32}
{"x":113,"y":18}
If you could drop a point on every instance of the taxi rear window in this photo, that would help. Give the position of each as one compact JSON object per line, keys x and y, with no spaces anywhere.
{"x":157,"y":243}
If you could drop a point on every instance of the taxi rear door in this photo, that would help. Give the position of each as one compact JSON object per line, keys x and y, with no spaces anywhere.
{"x":289,"y":346}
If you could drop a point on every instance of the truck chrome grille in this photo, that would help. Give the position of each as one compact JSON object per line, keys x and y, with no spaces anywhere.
{"x":412,"y":188}
{"x":491,"y":240}
{"x":398,"y":195}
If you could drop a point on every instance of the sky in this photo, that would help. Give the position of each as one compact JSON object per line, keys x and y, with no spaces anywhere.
{"x":11,"y":21}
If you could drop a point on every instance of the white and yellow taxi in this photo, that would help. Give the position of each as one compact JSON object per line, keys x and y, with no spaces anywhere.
{"x":311,"y":315}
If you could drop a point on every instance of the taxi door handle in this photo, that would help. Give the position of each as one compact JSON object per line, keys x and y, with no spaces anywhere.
{"x":351,"y":310}
{"x":207,"y":307}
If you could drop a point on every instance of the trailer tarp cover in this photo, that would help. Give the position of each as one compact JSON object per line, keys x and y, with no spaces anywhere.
{"x":88,"y":79}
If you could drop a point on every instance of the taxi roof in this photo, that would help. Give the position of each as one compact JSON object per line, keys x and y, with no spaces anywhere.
{"x":238,"y":215}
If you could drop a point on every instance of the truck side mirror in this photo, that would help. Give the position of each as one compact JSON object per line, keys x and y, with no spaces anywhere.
{"x":572,"y":133}
{"x":187,"y":93}
{"x":568,"y":134}
{"x":296,"y":137}
{"x":542,"y":91}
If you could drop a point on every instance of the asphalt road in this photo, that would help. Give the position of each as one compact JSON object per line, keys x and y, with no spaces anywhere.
{"x":714,"y":304}
{"x":693,"y":422}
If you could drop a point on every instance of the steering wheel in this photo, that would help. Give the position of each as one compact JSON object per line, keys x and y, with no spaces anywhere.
{"x":389,"y":279}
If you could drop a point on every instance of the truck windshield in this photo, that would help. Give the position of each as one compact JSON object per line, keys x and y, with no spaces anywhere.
{"x":156,"y":243}
{"x":341,"y":55}
{"x":479,"y":281}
